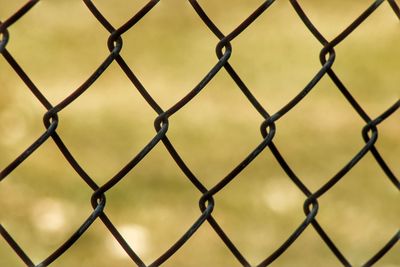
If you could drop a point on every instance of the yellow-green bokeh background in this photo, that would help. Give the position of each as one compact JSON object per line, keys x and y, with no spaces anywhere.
{"x":59,"y":44}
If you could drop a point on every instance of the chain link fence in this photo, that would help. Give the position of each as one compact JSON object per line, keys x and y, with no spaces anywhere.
{"x":162,"y":121}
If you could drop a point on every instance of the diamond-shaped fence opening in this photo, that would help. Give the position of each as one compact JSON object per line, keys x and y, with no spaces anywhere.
{"x":277,"y":148}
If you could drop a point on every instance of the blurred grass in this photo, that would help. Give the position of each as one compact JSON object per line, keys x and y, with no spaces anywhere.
{"x":59,"y":44}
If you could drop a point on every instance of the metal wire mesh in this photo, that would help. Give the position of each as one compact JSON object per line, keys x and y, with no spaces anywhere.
{"x":162,"y":121}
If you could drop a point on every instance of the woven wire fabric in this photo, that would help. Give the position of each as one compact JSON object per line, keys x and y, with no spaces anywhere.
{"x":163,"y":121}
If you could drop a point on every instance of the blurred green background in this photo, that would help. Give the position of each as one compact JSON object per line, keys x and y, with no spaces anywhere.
{"x":59,"y":44}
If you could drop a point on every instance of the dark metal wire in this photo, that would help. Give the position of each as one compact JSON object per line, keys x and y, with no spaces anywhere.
{"x":161,"y":124}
